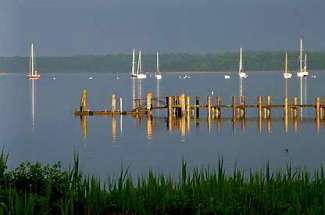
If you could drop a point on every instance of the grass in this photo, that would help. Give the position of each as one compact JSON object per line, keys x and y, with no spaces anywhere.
{"x":43,"y":189}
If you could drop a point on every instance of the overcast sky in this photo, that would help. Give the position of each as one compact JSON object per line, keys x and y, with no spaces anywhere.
{"x":70,"y":27}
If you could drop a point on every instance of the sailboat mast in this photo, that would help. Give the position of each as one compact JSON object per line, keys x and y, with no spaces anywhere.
{"x":240,"y":70}
{"x":158,"y":71}
{"x":305,"y":67}
{"x":138,"y":66}
{"x":140,"y":59}
{"x":241,"y":60}
{"x":32,"y":59}
{"x":286,"y":63}
{"x":133,"y":62}
{"x":300,"y":58}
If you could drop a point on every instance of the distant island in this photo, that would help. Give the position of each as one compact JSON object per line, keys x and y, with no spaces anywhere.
{"x":223,"y":62}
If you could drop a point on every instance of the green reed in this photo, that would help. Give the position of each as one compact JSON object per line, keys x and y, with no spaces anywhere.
{"x":48,"y":189}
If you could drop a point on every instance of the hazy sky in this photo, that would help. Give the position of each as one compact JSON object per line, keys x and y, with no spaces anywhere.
{"x":69,"y":27}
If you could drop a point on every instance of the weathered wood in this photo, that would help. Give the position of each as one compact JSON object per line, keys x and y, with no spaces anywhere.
{"x":259,"y":106}
{"x":317,"y":108}
{"x":294,"y":108}
{"x":183,"y":104}
{"x":83,"y":101}
{"x":113,"y":107}
{"x":234,"y":107}
{"x":169,"y":106}
{"x":267,"y":109}
{"x":209,"y":107}
{"x":285,"y":108}
{"x":197,"y":103}
{"x":242,"y":108}
{"x":188,"y":105}
{"x":218,"y":107}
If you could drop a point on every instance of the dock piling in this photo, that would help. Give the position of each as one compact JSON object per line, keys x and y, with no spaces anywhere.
{"x":234,"y":107}
{"x":218,"y":109}
{"x":317,"y":108}
{"x":149,"y":103}
{"x":197,"y":106}
{"x":113,"y":103}
{"x":83,"y":101}
{"x":294,"y":108}
{"x":209,"y":107}
{"x":259,"y":106}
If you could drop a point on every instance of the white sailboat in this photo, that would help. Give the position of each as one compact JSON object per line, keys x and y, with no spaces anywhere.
{"x":139,"y":74}
{"x":302,"y":63}
{"x":133,"y":75}
{"x":241,"y":72}
{"x":158,"y":74}
{"x":32,"y":73}
{"x":286,"y":73}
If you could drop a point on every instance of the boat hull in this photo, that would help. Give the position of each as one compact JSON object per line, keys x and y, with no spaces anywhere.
{"x":33,"y":77}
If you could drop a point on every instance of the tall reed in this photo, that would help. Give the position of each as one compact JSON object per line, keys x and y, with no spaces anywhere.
{"x":43,"y":189}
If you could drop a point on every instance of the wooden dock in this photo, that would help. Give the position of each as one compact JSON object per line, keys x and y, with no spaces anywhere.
{"x":180,"y":106}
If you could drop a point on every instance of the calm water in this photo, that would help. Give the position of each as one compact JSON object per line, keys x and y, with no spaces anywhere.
{"x":37,"y":124}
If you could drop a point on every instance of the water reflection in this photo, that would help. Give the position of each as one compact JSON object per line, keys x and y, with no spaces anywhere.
{"x":84,"y":126}
{"x":184,"y":125}
{"x":136,"y":92}
{"x":33,"y":102}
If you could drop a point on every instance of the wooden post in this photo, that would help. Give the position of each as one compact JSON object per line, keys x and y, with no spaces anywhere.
{"x":234,"y":107}
{"x":218,"y":110}
{"x":285,"y":114}
{"x":259,"y":106}
{"x":169,"y":106}
{"x":209,"y":107}
{"x":83,"y":101}
{"x":188,"y":105}
{"x":113,"y":103}
{"x":294,"y":108}
{"x":149,"y":103}
{"x":183,"y":104}
{"x":242,"y":110}
{"x":197,"y":104}
{"x":317,"y":108}
{"x":322,"y":110}
{"x":268,"y":108}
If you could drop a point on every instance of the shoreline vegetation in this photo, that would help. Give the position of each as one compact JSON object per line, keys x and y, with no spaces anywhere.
{"x":48,"y":189}
{"x":223,"y":62}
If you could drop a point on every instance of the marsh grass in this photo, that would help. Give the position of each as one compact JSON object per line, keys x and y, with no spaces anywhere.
{"x":38,"y":189}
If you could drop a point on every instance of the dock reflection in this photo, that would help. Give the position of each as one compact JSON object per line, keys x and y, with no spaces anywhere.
{"x":183,"y":125}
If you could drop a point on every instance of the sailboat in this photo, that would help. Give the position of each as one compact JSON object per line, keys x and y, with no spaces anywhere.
{"x":133,"y":75}
{"x":286,"y":73}
{"x":302,"y":63}
{"x":139,"y":74}
{"x":158,"y":75}
{"x":241,"y":72}
{"x":305,"y":72}
{"x":32,"y":73}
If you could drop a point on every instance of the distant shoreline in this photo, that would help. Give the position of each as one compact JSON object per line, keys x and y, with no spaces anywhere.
{"x":224,"y":62}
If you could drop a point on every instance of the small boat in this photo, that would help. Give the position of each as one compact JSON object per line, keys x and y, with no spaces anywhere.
{"x":32,"y":73}
{"x":286,"y":74}
{"x":158,"y":74}
{"x":91,"y":78}
{"x":227,"y":77}
{"x":313,"y":76}
{"x":241,"y":72}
